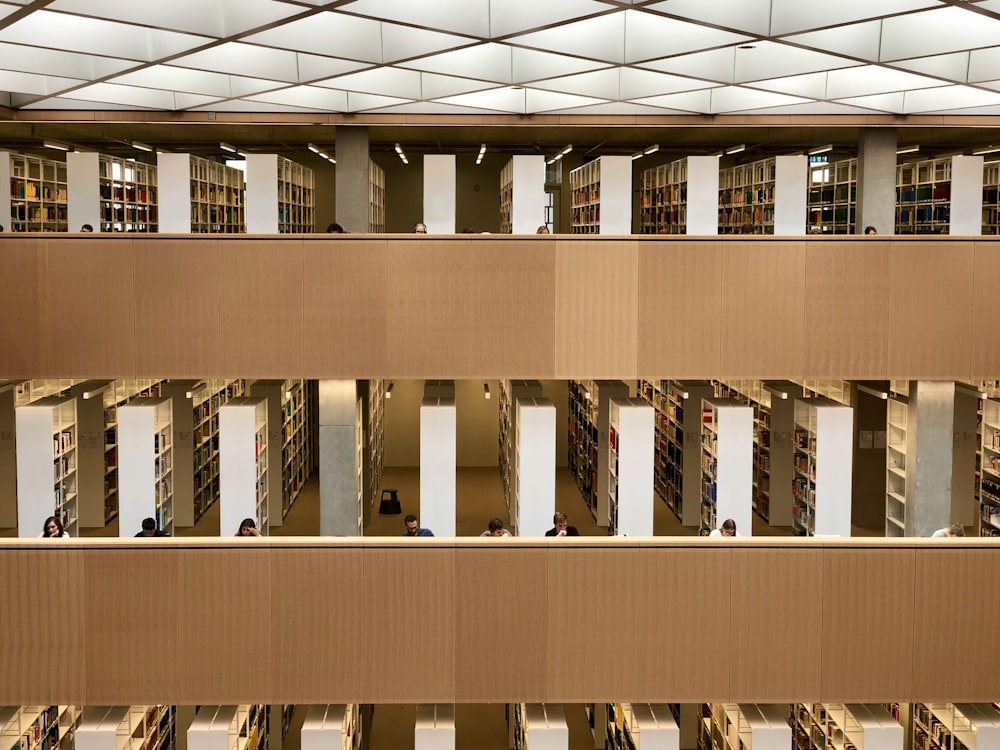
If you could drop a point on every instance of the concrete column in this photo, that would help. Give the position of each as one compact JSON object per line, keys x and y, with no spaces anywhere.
{"x":876,"y":180}
{"x":929,"y":442}
{"x":352,"y":178}
{"x":338,"y":490}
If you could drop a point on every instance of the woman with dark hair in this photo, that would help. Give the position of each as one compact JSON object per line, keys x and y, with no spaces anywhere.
{"x":248,"y":527}
{"x":53,"y":529}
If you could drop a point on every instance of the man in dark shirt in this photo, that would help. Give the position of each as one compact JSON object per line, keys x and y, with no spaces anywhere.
{"x":561,"y":526}
{"x":149,"y":528}
{"x":413,"y":527}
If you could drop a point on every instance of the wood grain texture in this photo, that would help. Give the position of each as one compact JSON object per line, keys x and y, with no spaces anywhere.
{"x":847,"y":309}
{"x":763,"y":308}
{"x":955,"y":656}
{"x":501,"y":624}
{"x":596,"y":309}
{"x":986,"y":282}
{"x":590,"y":596}
{"x":930,"y":310}
{"x":684,"y":616}
{"x":20,"y":305}
{"x":226,"y":602}
{"x":88,"y":309}
{"x":42,"y":657}
{"x":316,"y":653}
{"x":679,"y":309}
{"x":468,"y":309}
{"x":178,"y":308}
{"x":766,"y":664}
{"x":408,"y":601}
{"x":121,"y":600}
{"x":865,"y":624}
{"x":261,"y":297}
{"x":345,"y":309}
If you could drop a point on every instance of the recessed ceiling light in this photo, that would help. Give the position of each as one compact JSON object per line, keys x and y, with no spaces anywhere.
{"x":747,"y":46}
{"x":517,"y":88}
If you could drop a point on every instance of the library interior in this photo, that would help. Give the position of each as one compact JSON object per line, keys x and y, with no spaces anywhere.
{"x":310,"y":272}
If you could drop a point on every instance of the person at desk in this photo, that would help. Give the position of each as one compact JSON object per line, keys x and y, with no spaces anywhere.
{"x":149,"y":529}
{"x":495,"y":528}
{"x":561,"y":527}
{"x":248,"y":527}
{"x":413,"y":527}
{"x":53,"y":529}
{"x":955,"y":530}
{"x":728,"y":528}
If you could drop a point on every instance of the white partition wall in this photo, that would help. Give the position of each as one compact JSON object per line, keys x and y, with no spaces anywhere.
{"x":727,"y":464}
{"x":824,"y":453}
{"x":98,"y":727}
{"x":767,"y":724}
{"x":702,"y":195}
{"x":528,"y":193}
{"x":616,"y":195}
{"x":631,"y":448}
{"x":262,"y":193}
{"x":174,"y":177}
{"x":543,"y":727}
{"x":966,"y":216}
{"x":242,"y":464}
{"x":83,"y":190}
{"x":434,"y":728}
{"x":439,"y":193}
{"x":332,"y":727}
{"x":145,"y":465}
{"x":438,"y":455}
{"x":534,"y":480}
{"x":5,"y":193}
{"x":46,"y":435}
{"x":650,"y":726}
{"x":791,"y":191}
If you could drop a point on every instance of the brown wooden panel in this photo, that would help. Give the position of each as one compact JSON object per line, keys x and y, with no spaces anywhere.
{"x":955,"y":658}
{"x":596,"y":309}
{"x":121,"y":600}
{"x":177,"y":308}
{"x":589,"y":597}
{"x":685,"y":649}
{"x":20,"y":305}
{"x":225,"y":604}
{"x":42,"y":635}
{"x":88,"y":309}
{"x":345,"y":309}
{"x":766,"y":664}
{"x":468,"y":309}
{"x":408,"y":603}
{"x":847,"y":309}
{"x":763,"y":306}
{"x":986,"y":282}
{"x":260,"y":291}
{"x":863,"y":622}
{"x":930,"y":309}
{"x":502,"y":624}
{"x":679,"y":309}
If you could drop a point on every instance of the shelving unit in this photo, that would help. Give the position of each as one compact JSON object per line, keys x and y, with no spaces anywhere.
{"x":146,"y":430}
{"x":39,"y":727}
{"x":744,"y":726}
{"x":522,"y":194}
{"x":923,"y":197}
{"x":663,"y":199}
{"x":989,"y":474}
{"x":588,"y":429}
{"x":726,"y":464}
{"x":601,"y":192}
{"x":819,"y":726}
{"x":630,"y":449}
{"x":510,"y":391}
{"x":823,"y":461}
{"x":206,"y":400}
{"x":229,"y":728}
{"x":280,"y":195}
{"x":955,"y":726}
{"x":332,"y":726}
{"x":127,"y":728}
{"x":434,"y":727}
{"x":38,"y":193}
{"x":47,"y":439}
{"x":296,"y":198}
{"x":533,"y":485}
{"x":833,"y":192}
{"x":746,"y":196}
{"x":243,"y":464}
{"x":376,"y":198}
{"x":376,"y":438}
{"x":199,"y":196}
{"x":641,"y":726}
{"x":897,"y":428}
{"x":539,"y":726}
{"x":128,"y":195}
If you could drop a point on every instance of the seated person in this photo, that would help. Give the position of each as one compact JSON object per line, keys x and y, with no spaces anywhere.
{"x":149,"y":528}
{"x":728,"y":528}
{"x":413,"y":527}
{"x":495,"y":528}
{"x":248,"y":527}
{"x":561,"y":526}
{"x":955,"y":530}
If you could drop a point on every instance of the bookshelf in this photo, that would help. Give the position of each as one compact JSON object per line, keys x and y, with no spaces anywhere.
{"x":533,"y":486}
{"x":663,"y":199}
{"x":601,"y":193}
{"x":39,"y":727}
{"x":128,"y":195}
{"x":376,"y":198}
{"x":296,"y":198}
{"x":509,"y":392}
{"x":146,"y":457}
{"x":989,"y":474}
{"x":641,"y":726}
{"x":38,"y":193}
{"x":280,"y":195}
{"x":923,"y":197}
{"x":828,"y":726}
{"x":207,"y":397}
{"x":127,"y":728}
{"x":522,"y":194}
{"x":746,"y":196}
{"x":991,"y":198}
{"x":46,"y":434}
{"x":823,"y":463}
{"x":376,"y":438}
{"x":327,"y":727}
{"x":744,"y":726}
{"x":359,"y":465}
{"x":539,"y":726}
{"x":833,"y":189}
{"x":897,"y":429}
{"x":199,"y":196}
{"x":726,"y":464}
{"x":243,"y":464}
{"x":243,"y":727}
{"x":630,"y":449}
{"x":955,"y":726}
{"x":588,"y":434}
{"x":434,"y":727}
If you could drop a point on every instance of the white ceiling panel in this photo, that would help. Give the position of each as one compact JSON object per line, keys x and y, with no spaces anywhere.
{"x":788,"y":16}
{"x":29,"y":83}
{"x":544,"y":101}
{"x":605,"y":84}
{"x":245,"y":59}
{"x":77,"y":34}
{"x":196,"y":81}
{"x":882,"y":102}
{"x":219,"y":18}
{"x":810,"y":108}
{"x":637,"y":83}
{"x":127,"y":95}
{"x":872,"y":79}
{"x":310,"y":97}
{"x":991,"y":5}
{"x":434,"y":86}
{"x":773,"y":60}
{"x":401,"y":43}
{"x":954,"y":67}
{"x":357,"y":102}
{"x":860,"y":40}
{"x":6,"y":10}
{"x":618,"y":108}
{"x":937,"y":32}
{"x":326,"y":34}
{"x":314,"y":67}
{"x":433,"y":108}
{"x":248,"y":105}
{"x":518,"y":16}
{"x":648,"y":36}
{"x":533,"y":65}
{"x":28,"y":102}
{"x":975,"y":111}
{"x":600,"y":38}
{"x":52,"y":62}
{"x":736,"y":98}
{"x":397,"y":82}
{"x":715,"y":65}
{"x":502,"y":100}
{"x":460,"y":16}
{"x":690,"y":101}
{"x":491,"y":62}
{"x":948,"y":97}
{"x":189,"y":101}
{"x":748,"y":16}
{"x":811,"y":85}
{"x":983,"y":64}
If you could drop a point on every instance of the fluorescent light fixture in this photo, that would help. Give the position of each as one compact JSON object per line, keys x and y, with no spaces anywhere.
{"x":141,"y":146}
{"x":486,"y":391}
{"x":736,"y":149}
{"x":821,"y":149}
{"x":227,"y":147}
{"x":651,"y":149}
{"x":402,"y":156}
{"x":399,"y":149}
{"x":907,"y":150}
{"x":586,"y":394}
{"x":388,"y":391}
{"x":977,"y":152}
{"x":314,"y":148}
{"x":637,"y":155}
{"x":685,"y":395}
{"x":873,"y":392}
{"x":482,"y":150}
{"x":288,"y":394}
{"x":56,"y":145}
{"x":96,"y":390}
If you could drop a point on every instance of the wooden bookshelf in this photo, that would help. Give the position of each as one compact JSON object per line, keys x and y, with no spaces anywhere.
{"x":509,"y":392}
{"x":327,"y":727}
{"x":127,"y":728}
{"x":47,"y":439}
{"x":833,"y":189}
{"x":923,"y":197}
{"x":206,"y":401}
{"x":746,"y":196}
{"x":296,"y":443}
{"x":39,"y":727}
{"x":522,"y":194}
{"x":128,"y":194}
{"x":641,"y":726}
{"x":588,"y":435}
{"x":823,"y":454}
{"x":824,"y":726}
{"x":296,"y":198}
{"x":533,"y":475}
{"x":243,"y":464}
{"x":539,"y":726}
{"x":146,"y":457}
{"x":991,"y":198}
{"x":989,"y":474}
{"x":630,"y":449}
{"x":376,"y":438}
{"x":663,"y":199}
{"x":601,"y":192}
{"x":199,"y":196}
{"x":359,"y":464}
{"x":896,"y":483}
{"x":726,"y":464}
{"x":243,"y":727}
{"x":38,"y":193}
{"x":955,"y":726}
{"x":744,"y":726}
{"x":376,"y":198}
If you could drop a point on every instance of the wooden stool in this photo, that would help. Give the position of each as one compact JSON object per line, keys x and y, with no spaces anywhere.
{"x":389,"y":504}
